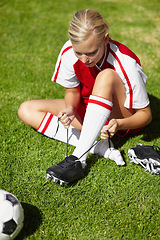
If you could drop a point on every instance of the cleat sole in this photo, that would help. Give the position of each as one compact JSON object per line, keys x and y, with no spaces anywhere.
{"x":49,"y":177}
{"x":56,"y":180}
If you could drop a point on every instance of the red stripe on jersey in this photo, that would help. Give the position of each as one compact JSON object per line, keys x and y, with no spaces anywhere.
{"x":56,"y":74}
{"x":47,"y":124}
{"x":100,"y":104}
{"x":126,"y":77}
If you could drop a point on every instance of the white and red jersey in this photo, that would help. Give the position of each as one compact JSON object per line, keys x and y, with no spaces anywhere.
{"x":70,"y":72}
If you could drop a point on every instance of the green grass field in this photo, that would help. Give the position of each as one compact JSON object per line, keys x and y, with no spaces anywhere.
{"x":109,"y":202}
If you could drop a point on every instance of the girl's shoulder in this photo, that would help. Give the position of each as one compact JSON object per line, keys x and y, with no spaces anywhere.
{"x":66,"y":47}
{"x":121,"y":48}
{"x":67,"y":52}
{"x":66,"y":58}
{"x":67,"y":44}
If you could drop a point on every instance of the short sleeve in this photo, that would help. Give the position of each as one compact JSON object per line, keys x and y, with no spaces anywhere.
{"x":64,"y":73}
{"x":138,"y":81}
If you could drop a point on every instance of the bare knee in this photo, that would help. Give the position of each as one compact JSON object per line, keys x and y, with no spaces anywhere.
{"x":106,"y":77}
{"x":24,"y":111}
{"x":104,"y":84}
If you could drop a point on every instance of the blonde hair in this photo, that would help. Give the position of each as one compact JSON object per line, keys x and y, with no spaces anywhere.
{"x":84,"y":22}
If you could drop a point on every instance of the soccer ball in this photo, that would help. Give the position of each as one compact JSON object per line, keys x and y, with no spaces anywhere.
{"x":11,"y":216}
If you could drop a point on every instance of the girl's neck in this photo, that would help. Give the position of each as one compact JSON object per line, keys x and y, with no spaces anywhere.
{"x":100,"y":63}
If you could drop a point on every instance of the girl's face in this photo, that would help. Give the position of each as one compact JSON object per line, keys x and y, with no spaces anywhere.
{"x":90,"y":52}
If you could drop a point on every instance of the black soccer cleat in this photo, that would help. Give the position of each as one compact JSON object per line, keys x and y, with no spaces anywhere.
{"x":148,"y":156}
{"x":65,"y":172}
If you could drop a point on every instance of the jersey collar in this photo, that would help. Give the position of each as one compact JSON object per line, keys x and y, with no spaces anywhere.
{"x":105,"y":54}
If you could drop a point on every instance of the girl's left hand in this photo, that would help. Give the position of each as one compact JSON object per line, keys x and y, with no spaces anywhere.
{"x":112,"y":127}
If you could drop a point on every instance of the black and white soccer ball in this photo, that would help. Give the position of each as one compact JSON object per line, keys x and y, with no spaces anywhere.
{"x":11,"y":216}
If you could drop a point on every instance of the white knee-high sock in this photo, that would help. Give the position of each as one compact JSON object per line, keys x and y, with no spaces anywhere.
{"x":97,"y":113}
{"x":52,"y":128}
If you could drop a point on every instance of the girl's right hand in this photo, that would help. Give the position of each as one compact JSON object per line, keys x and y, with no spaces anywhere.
{"x":66,"y":116}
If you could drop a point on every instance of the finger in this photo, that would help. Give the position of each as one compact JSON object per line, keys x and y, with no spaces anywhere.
{"x":109,"y":136}
{"x":66,"y":125}
{"x":64,"y":119}
{"x":104,"y":136}
{"x":105,"y":128}
{"x":63,"y":116}
{"x":60,"y":114}
{"x":66,"y":122}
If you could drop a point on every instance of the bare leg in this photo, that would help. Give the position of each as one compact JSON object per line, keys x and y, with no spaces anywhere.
{"x":109,"y":85}
{"x":32,"y":112}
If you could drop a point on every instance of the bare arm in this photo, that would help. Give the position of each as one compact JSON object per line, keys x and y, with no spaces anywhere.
{"x":72,"y":100}
{"x":140,"y":118}
{"x":72,"y":97}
